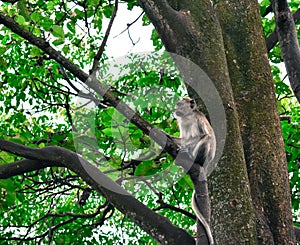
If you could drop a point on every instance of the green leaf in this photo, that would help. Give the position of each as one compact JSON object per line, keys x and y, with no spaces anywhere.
{"x":186,"y":182}
{"x":50,"y":5}
{"x":46,"y":23}
{"x":20,"y":20}
{"x":35,"y":17}
{"x":107,"y":11}
{"x":137,"y":134}
{"x":282,"y":88}
{"x":146,"y":21}
{"x":79,"y":13}
{"x":71,"y":27}
{"x":57,"y":31}
{"x":3,"y":50}
{"x":8,"y":185}
{"x":37,"y":32}
{"x":157,"y":43}
{"x":21,"y":5}
{"x":107,"y":131}
{"x":5,"y":157}
{"x":131,"y":4}
{"x":35,"y":51}
{"x":99,"y":24}
{"x":3,"y":63}
{"x":145,"y":168}
{"x":112,"y":131}
{"x":66,"y":49}
{"x":58,"y":41}
{"x":7,"y":193}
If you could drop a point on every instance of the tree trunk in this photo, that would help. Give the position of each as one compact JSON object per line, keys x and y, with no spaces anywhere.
{"x":258,"y":115}
{"x":289,"y":45}
{"x":249,"y":188}
{"x":192,"y":30}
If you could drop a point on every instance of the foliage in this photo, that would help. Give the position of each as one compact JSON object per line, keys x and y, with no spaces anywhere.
{"x":288,"y":107}
{"x":291,"y":137}
{"x":41,"y":106}
{"x":39,"y":101}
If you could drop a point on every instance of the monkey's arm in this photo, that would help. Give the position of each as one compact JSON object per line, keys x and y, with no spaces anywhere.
{"x":191,"y":142}
{"x":199,"y":149}
{"x":176,"y":140}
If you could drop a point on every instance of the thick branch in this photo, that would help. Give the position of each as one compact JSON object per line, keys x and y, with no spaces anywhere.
{"x":288,"y":39}
{"x":91,"y":81}
{"x":156,"y":225}
{"x":10,"y":1}
{"x":267,"y":11}
{"x":163,"y":17}
{"x":23,"y":166}
{"x":272,"y":39}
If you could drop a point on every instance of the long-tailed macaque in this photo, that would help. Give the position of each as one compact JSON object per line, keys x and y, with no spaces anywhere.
{"x":197,"y":140}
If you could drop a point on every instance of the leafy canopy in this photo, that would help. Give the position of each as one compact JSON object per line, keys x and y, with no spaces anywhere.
{"x":42,"y":104}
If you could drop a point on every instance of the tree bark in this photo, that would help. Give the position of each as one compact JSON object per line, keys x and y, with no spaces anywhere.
{"x":159,"y":227}
{"x":288,"y":39}
{"x":272,"y":39}
{"x":91,"y":81}
{"x":191,"y":29}
{"x":258,"y":115}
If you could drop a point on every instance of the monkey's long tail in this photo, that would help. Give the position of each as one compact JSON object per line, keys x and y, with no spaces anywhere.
{"x":202,"y":220}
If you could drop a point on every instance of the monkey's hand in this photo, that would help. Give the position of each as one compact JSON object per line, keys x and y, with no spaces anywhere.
{"x":176,"y":140}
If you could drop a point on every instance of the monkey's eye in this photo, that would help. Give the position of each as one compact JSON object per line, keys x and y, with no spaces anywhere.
{"x":192,"y":102}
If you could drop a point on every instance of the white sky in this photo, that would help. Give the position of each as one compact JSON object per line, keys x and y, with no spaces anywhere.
{"x":120,"y":45}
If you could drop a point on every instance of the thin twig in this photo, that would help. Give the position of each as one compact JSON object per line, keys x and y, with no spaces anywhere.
{"x":130,"y":24}
{"x":101,"y":49}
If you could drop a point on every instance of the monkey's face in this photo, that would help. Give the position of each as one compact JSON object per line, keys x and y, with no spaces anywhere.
{"x":184,"y":107}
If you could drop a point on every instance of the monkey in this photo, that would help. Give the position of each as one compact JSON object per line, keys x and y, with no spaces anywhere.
{"x":198,"y":141}
{"x":197,"y":137}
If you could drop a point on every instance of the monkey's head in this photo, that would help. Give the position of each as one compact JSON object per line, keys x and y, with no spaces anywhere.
{"x":185,"y":107}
